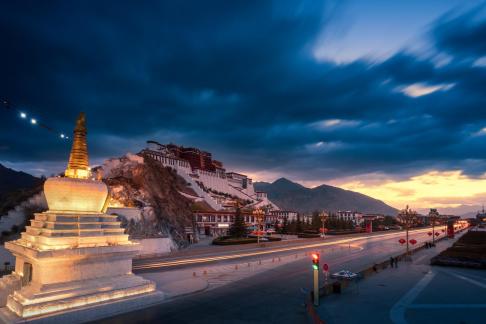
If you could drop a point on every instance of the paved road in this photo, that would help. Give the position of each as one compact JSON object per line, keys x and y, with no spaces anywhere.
{"x":252,"y":251}
{"x":273,"y":296}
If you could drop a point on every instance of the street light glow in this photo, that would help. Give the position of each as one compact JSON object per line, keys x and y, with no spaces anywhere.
{"x":62,"y":136}
{"x":33,"y":121}
{"x":23,"y":115}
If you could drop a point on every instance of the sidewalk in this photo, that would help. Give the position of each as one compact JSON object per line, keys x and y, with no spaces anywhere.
{"x":414,"y":293}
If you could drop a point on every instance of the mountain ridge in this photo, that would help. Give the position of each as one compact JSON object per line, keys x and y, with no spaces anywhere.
{"x":11,"y":180}
{"x":293,"y":196}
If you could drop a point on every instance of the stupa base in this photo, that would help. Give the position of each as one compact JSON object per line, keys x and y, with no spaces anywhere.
{"x":88,"y":313}
{"x":65,"y":280}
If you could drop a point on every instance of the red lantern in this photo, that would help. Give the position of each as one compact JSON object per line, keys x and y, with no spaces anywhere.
{"x":413,"y":241}
{"x":429,"y":233}
{"x":437,"y":234}
{"x":401,"y":241}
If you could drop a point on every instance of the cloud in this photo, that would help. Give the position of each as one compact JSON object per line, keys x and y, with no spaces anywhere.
{"x":240,"y":79}
{"x":419,"y":89}
{"x":439,"y":189}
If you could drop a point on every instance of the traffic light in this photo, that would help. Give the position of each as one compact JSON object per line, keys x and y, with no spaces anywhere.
{"x":315,"y":261}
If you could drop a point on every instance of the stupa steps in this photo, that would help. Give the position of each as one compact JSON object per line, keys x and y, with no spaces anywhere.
{"x":111,"y":291}
{"x":50,"y":292}
{"x":78,"y":218}
{"x":72,"y":225}
{"x":62,"y":242}
{"x":73,"y":232}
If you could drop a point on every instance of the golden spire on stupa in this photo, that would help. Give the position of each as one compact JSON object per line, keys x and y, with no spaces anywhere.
{"x":78,"y":166}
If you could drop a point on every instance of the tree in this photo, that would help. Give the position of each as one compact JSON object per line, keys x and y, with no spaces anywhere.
{"x":238,"y":228}
{"x":408,"y":218}
{"x":298,"y":225}
{"x":285,"y":226}
{"x":316,"y":221}
{"x":276,"y":226}
{"x":389,"y":221}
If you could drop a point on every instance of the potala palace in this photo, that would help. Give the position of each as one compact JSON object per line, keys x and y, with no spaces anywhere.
{"x":208,"y":178}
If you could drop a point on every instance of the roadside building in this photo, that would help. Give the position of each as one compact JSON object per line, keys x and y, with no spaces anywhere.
{"x":280,"y":215}
{"x":354,"y":216}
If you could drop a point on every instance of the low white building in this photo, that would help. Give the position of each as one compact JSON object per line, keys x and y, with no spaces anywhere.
{"x":280,"y":215}
{"x":354,"y":216}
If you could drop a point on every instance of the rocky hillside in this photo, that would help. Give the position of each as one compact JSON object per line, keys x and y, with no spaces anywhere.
{"x":136,"y":182}
{"x":293,"y":196}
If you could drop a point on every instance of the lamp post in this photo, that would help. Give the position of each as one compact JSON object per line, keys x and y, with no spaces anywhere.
{"x":445,"y":226}
{"x":407,"y":217}
{"x":433,"y":215}
{"x":259,"y":216}
{"x":324,"y":215}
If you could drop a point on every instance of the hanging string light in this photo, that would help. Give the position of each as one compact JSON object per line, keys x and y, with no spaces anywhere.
{"x":33,"y":121}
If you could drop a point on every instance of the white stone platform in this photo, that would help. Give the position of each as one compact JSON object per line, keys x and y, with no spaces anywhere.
{"x":89,"y":313}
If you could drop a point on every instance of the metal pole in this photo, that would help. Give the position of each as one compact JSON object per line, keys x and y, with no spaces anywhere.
{"x":323,"y":233}
{"x":316,"y":287}
{"x":258,"y":230}
{"x":433,"y":230}
{"x":407,"y":238}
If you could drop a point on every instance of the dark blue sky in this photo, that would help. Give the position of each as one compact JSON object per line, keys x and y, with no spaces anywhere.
{"x":311,"y":90}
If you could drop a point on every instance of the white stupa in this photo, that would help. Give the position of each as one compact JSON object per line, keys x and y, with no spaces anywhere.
{"x":73,"y":256}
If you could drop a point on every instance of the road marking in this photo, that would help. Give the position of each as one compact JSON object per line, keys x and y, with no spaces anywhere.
{"x":473,"y":276}
{"x":474,"y":282}
{"x":439,"y":306}
{"x":397,"y":313}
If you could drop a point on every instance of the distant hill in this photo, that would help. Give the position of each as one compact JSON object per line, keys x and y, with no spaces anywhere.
{"x":293,"y":196}
{"x":11,"y":180}
{"x":15,"y":187}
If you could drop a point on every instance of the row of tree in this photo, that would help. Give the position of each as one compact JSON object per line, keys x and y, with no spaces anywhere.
{"x":239,"y":229}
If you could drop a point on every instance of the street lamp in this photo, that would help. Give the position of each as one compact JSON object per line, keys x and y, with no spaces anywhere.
{"x":407,"y":217}
{"x":259,"y":216}
{"x":324,"y":215}
{"x":433,"y":215}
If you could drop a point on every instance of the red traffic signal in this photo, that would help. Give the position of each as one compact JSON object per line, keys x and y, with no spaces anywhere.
{"x":429,"y":233}
{"x":413,"y":242}
{"x":401,"y":241}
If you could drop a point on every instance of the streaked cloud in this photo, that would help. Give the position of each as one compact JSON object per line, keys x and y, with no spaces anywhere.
{"x":240,"y":79}
{"x":333,"y":123}
{"x":420,"y":89}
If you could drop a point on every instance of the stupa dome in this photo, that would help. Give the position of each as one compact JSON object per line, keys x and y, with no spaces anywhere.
{"x":76,"y":192}
{"x":79,"y":195}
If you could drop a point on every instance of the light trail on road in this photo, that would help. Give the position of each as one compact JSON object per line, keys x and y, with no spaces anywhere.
{"x":192,"y":261}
